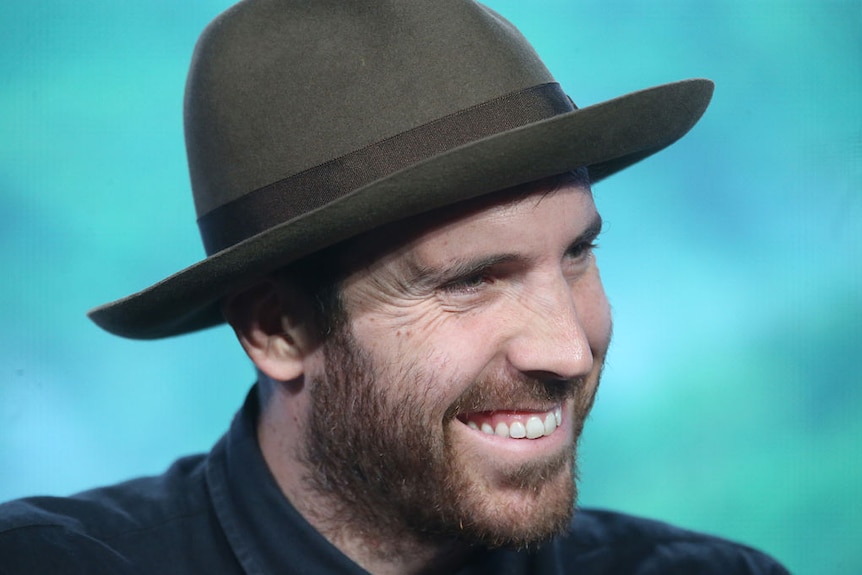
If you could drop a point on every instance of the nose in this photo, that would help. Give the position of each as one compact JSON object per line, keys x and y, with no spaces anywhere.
{"x":550,"y":340}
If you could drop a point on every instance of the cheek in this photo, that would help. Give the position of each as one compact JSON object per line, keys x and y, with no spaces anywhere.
{"x":402,"y":335}
{"x":423,"y":354}
{"x":419,"y":331}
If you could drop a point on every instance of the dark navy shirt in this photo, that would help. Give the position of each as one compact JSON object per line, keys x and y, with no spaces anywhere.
{"x":223,"y":514}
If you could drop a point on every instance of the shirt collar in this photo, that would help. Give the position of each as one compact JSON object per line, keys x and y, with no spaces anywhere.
{"x":265,"y":531}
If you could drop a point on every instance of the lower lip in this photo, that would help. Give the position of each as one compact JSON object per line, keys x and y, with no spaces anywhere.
{"x":559,"y":438}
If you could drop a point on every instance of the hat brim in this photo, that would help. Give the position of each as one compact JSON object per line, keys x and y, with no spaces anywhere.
{"x":605,"y":137}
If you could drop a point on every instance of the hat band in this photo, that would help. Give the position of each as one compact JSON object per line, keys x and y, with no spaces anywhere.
{"x":305,"y":191}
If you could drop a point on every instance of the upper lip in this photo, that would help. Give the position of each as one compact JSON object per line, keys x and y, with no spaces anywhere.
{"x":509,"y":409}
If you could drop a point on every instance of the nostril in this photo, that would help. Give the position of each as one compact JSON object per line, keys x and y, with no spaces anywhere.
{"x":548,"y":377}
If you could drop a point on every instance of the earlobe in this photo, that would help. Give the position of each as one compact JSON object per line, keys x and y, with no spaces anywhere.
{"x":263,"y":323}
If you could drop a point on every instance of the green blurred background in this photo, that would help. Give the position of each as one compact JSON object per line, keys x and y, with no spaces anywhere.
{"x":732,"y":400}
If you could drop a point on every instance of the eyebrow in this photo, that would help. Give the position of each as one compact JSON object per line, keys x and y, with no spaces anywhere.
{"x":424,"y":276}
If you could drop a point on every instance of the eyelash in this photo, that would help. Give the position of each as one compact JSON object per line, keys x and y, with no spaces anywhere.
{"x":582,"y":249}
{"x":473,"y":282}
{"x":468,"y":284}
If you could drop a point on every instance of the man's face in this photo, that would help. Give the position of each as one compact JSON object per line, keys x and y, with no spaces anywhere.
{"x":450,"y":402}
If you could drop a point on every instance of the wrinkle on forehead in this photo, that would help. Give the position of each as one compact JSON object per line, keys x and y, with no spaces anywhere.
{"x":381,"y":243}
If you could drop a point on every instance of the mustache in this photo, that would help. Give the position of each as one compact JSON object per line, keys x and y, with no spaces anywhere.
{"x":515,"y":391}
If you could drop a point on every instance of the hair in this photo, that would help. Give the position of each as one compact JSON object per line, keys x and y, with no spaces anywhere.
{"x":319,"y":277}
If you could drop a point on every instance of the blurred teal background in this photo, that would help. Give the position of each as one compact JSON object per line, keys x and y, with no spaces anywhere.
{"x":732,"y":401}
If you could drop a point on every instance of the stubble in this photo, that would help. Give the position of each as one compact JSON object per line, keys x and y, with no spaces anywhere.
{"x":389,"y":477}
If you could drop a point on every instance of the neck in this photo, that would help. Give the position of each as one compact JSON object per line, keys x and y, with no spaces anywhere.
{"x":393,"y":552}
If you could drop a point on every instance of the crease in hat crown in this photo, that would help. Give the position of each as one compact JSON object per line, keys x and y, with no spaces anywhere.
{"x":388,"y":108}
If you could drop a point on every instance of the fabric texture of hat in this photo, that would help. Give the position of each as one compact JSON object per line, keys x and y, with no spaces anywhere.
{"x":308,"y":123}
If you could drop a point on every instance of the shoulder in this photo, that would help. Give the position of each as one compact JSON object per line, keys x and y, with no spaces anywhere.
{"x":609,"y":542}
{"x":33,"y":540}
{"x":105,"y":530}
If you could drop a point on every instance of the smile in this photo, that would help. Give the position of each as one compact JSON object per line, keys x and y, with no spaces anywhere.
{"x":515,"y":424}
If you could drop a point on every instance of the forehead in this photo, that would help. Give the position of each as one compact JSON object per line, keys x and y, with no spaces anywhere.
{"x":525,"y":213}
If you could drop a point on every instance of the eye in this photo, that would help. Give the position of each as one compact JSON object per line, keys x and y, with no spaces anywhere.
{"x":581,"y":249}
{"x":467,"y":284}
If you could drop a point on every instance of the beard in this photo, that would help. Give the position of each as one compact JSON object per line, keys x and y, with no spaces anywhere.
{"x":391,"y":472}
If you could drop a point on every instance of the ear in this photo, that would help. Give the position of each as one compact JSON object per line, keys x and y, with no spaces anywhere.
{"x":270,"y":327}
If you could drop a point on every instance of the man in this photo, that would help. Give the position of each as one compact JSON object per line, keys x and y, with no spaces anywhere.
{"x":395,"y":199}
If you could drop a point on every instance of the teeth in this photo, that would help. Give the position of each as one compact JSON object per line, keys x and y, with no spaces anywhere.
{"x":502,"y":429}
{"x":535,"y":428}
{"x":550,"y":424}
{"x":517,"y":430}
{"x":540,"y":425}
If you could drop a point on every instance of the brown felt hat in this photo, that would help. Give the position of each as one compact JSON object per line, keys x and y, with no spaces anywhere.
{"x":311,"y":122}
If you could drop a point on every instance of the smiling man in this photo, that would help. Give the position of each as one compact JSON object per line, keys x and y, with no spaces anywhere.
{"x":395,"y":199}
{"x":444,"y":404}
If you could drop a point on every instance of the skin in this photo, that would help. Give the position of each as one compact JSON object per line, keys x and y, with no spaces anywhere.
{"x":493,"y":307}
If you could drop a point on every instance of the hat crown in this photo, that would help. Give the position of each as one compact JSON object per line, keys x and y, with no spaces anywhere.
{"x":279,"y":87}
